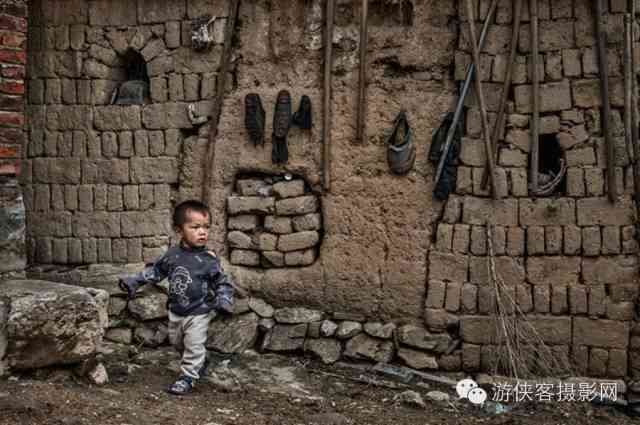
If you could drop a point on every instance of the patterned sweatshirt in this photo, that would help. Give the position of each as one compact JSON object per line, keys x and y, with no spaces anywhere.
{"x":192,"y":272}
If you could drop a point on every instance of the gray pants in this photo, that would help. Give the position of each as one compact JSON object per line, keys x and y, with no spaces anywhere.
{"x":188,"y":334}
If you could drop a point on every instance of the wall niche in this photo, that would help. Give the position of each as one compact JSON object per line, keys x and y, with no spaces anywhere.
{"x":273,"y":221}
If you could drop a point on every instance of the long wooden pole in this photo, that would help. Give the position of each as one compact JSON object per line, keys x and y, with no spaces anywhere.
{"x":628,"y":86}
{"x":634,"y":106}
{"x":480,"y":95}
{"x":216,"y":109}
{"x":362,"y":82}
{"x":603,"y":63}
{"x":517,"y":16}
{"x":535,"y":94}
{"x":328,"y":65}
{"x":463,"y":95}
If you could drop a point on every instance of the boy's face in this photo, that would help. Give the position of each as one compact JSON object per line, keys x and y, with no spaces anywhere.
{"x":195,"y":231}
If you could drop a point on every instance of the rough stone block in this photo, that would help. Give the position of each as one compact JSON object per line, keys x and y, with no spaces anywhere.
{"x":165,"y":116}
{"x":515,"y":241}
{"x":613,"y":270}
{"x":289,"y":189}
{"x":598,"y":362}
{"x":553,"y":240}
{"x":461,"y":238}
{"x":145,"y":223}
{"x":575,"y":182}
{"x":245,"y":258}
{"x":597,"y":300}
{"x":586,"y":93}
{"x":556,"y":270}
{"x":594,"y":181}
{"x":547,"y":212}
{"x":151,"y":11}
{"x":300,"y":258}
{"x":559,"y":303}
{"x":115,"y":117}
{"x":620,"y":311}
{"x":524,"y":298}
{"x":454,"y":290}
{"x":238,"y":239}
{"x":480,"y":211}
{"x":572,"y":240}
{"x":297,"y":241}
{"x":285,"y":337}
{"x":297,"y":206}
{"x":364,"y":347}
{"x":610,"y":240}
{"x":468,"y":298}
{"x":535,"y":240}
{"x":448,"y":267}
{"x":444,"y":237}
{"x":470,"y":357}
{"x":553,"y":97}
{"x":478,"y":240}
{"x":617,"y":367}
{"x":154,"y":170}
{"x":436,"y":291}
{"x":250,"y":205}
{"x":541,"y":298}
{"x":244,"y":222}
{"x":600,"y":333}
{"x":591,"y":241}
{"x":311,"y":221}
{"x":42,"y":321}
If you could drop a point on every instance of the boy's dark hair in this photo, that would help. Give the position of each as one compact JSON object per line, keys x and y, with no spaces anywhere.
{"x":180,"y":212}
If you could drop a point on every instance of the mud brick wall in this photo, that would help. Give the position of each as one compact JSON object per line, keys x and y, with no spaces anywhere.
{"x":273,"y":222}
{"x":13,"y":28}
{"x":568,"y":260}
{"x":100,"y":178}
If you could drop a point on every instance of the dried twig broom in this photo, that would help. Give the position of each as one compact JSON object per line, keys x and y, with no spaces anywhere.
{"x":521,"y":350}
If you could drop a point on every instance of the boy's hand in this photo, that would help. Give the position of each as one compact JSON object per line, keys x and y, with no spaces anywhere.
{"x":224,"y":308}
{"x":131,"y":292}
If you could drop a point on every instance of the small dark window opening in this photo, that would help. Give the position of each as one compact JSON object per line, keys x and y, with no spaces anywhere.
{"x":135,"y":90}
{"x":391,"y":13}
{"x":550,"y":155}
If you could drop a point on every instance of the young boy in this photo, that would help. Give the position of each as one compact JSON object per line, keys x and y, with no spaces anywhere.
{"x":193,"y":272}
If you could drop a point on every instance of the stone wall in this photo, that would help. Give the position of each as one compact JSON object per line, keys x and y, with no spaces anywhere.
{"x":569,"y":260}
{"x":273,"y":222}
{"x":13,"y":27}
{"x":100,"y":179}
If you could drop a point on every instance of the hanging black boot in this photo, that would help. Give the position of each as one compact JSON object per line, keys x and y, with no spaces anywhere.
{"x":281,"y":125}
{"x":254,"y":118}
{"x":401,"y":152}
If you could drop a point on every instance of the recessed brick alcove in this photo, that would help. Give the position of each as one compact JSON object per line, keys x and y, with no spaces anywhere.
{"x":273,"y":221}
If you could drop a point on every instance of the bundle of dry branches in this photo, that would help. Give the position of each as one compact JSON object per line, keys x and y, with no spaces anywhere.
{"x":521,"y":351}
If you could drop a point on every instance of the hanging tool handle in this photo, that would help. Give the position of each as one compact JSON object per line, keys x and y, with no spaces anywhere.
{"x":463,"y":94}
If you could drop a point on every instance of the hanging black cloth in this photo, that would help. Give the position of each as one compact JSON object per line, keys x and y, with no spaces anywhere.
{"x":254,"y":118}
{"x":281,"y":125}
{"x":302,"y":117}
{"x":449,"y":177}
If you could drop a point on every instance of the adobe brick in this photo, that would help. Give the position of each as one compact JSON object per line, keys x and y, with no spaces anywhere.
{"x":600,"y":333}
{"x":578,"y":299}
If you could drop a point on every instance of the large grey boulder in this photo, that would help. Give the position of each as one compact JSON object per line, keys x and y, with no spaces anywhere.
{"x":44,"y":323}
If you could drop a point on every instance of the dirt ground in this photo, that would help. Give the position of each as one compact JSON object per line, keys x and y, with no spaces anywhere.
{"x":256,"y":389}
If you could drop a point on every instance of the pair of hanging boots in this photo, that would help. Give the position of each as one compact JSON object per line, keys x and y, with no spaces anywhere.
{"x":282,"y":121}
